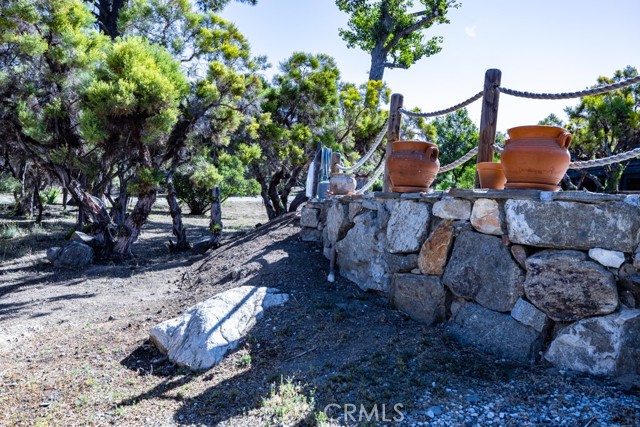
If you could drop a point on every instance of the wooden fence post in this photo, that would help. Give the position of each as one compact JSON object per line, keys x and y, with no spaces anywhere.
{"x":489,"y":116}
{"x":393,"y":134}
{"x":335,"y":159}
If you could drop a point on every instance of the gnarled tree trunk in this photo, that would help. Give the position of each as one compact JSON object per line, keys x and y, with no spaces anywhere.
{"x":216,"y":217}
{"x":182,"y":244}
{"x":129,"y":231}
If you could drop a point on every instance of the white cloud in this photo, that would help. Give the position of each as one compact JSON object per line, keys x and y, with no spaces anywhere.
{"x":471,"y":31}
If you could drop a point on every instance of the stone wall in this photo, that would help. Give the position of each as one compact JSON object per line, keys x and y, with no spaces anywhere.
{"x":522,"y":274}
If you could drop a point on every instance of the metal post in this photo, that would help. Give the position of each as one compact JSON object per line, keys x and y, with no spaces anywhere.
{"x":393,"y":134}
{"x":489,"y":116}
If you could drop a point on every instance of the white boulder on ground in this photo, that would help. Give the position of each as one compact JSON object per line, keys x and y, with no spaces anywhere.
{"x":203,"y":334}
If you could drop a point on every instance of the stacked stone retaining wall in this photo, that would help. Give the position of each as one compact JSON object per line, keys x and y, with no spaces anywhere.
{"x":522,"y":274}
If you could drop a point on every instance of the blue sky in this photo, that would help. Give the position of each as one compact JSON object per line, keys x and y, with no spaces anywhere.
{"x":540,"y":46}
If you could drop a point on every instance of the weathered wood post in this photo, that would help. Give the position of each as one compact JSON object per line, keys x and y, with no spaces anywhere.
{"x":335,"y":159}
{"x":393,"y":134}
{"x":489,"y":117}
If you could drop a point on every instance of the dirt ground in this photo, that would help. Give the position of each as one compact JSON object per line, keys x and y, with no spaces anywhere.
{"x":74,"y":347}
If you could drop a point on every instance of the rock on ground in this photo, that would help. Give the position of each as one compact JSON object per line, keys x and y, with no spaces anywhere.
{"x":495,"y":333}
{"x":529,"y":315}
{"x":203,"y":334}
{"x":608,"y":345}
{"x":75,"y":255}
{"x":309,"y":217}
{"x":337,"y":223}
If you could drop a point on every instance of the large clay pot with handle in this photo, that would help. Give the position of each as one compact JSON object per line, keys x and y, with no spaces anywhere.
{"x":536,"y":157}
{"x":412,"y":165}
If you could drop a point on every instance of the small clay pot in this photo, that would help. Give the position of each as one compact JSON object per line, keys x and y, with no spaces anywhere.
{"x":412,"y":166}
{"x":536,"y":157}
{"x":491,"y":175}
{"x":342,"y":183}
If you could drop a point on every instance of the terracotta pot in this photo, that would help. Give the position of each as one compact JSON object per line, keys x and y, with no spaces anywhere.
{"x":342,"y":183}
{"x":536,"y":157}
{"x":412,"y":165}
{"x":491,"y":175}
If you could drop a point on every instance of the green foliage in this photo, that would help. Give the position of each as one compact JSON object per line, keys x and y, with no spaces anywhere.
{"x":456,"y":135}
{"x":139,"y":81}
{"x":392,"y":32}
{"x":249,"y":153}
{"x":287,"y":404}
{"x":61,"y":30}
{"x":604,"y":125}
{"x":145,"y":181}
{"x":552,"y":120}
{"x":50,"y":195}
{"x":218,"y":5}
{"x":298,"y":109}
{"x":198,"y":199}
{"x":360,"y":119}
{"x":194,"y":182}
{"x":244,"y":361}
{"x":8,"y":231}
{"x":8,"y":184}
{"x":186,"y":32}
{"x":234,"y":182}
{"x":205,"y":175}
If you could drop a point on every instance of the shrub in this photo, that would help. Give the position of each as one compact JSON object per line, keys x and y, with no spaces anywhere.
{"x":197,"y":198}
{"x":8,"y":184}
{"x":8,"y":231}
{"x":50,"y":195}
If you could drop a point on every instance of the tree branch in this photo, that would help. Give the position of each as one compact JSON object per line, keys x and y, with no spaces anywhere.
{"x":411,"y":29}
{"x":395,"y":65}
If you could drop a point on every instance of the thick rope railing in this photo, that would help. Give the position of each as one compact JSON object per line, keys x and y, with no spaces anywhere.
{"x":463,"y":104}
{"x":462,"y":160}
{"x":565,"y":95}
{"x":617,"y":158}
{"x":369,"y":153}
{"x":587,"y":92}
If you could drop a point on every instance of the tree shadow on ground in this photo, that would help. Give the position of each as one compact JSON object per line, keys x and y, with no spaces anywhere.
{"x":341,"y":344}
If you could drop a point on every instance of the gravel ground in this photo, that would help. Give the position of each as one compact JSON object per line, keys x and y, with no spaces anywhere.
{"x":558,"y":405}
